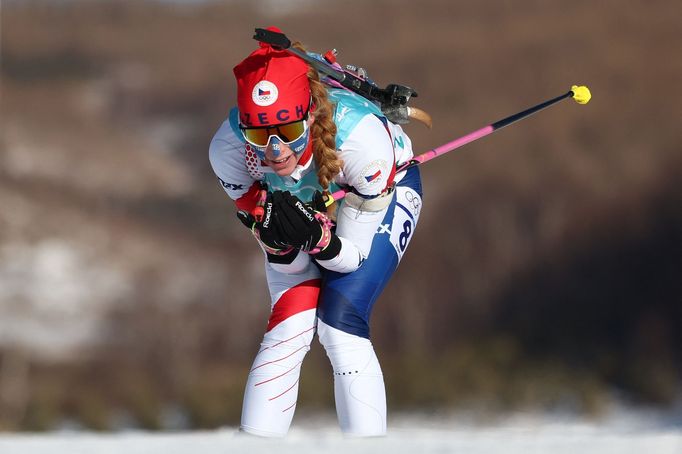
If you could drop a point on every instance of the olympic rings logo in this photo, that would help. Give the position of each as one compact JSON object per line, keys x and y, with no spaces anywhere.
{"x":414,"y":201}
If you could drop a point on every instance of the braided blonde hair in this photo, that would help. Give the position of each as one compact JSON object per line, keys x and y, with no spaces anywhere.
{"x":323,"y":130}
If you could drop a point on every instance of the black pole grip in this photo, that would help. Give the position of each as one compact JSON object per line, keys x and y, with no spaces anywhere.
{"x":275,"y":39}
{"x":516,"y":117}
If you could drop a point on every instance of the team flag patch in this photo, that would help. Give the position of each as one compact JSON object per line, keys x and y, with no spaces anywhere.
{"x":265,"y":93}
{"x":373,"y":177}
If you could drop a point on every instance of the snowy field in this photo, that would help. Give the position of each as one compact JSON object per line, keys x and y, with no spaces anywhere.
{"x":620,"y":433}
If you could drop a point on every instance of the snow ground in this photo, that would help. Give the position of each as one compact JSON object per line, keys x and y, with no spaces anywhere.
{"x":622,"y":434}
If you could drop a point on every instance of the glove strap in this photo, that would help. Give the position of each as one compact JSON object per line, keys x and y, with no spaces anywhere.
{"x":326,"y":237}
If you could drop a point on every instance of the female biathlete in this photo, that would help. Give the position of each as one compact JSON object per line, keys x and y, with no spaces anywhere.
{"x":291,"y":137}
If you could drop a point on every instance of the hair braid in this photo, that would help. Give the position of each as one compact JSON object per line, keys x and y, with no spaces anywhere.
{"x":323,"y":130}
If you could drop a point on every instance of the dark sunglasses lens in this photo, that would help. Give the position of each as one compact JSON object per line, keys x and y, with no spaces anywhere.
{"x":286,"y":133}
{"x":257,"y":136}
{"x":292,"y":131}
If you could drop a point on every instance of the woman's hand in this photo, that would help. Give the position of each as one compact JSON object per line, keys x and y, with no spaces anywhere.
{"x":266,"y":231}
{"x":303,"y":227}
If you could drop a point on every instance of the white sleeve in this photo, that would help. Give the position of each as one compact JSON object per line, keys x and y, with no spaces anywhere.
{"x":368,"y":160}
{"x":368,"y":157}
{"x":226,"y":154}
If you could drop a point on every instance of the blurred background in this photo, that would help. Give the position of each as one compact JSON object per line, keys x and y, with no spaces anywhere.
{"x":544,"y":274}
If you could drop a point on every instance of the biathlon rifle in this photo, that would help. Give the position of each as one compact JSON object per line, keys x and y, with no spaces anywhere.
{"x":392,"y":100}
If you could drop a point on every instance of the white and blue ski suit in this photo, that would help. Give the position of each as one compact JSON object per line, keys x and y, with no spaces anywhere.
{"x":375,"y":223}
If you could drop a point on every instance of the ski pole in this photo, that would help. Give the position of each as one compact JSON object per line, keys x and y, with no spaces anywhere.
{"x":581,"y":94}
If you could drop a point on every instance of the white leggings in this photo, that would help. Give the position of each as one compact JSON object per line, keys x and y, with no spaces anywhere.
{"x":272,"y":385}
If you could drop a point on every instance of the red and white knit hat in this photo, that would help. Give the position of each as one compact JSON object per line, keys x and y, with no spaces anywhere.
{"x":272,"y":87}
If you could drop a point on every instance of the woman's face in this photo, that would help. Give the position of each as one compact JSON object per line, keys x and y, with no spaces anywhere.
{"x":285,"y":163}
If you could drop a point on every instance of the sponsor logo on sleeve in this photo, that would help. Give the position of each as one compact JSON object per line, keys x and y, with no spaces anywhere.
{"x":230,"y":186}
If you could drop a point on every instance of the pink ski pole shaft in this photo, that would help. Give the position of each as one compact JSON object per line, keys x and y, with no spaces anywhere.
{"x":581,"y":94}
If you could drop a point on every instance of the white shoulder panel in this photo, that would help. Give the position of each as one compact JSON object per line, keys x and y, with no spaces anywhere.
{"x":368,"y":157}
{"x":226,"y":154}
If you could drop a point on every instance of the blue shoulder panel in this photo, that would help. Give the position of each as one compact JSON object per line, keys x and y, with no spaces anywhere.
{"x":350,"y":109}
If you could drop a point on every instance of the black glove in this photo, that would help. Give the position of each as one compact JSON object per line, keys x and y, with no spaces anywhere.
{"x":303,"y":227}
{"x":266,"y":231}
{"x":318,"y":202}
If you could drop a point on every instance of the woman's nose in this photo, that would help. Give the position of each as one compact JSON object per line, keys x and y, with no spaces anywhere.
{"x":275,"y":147}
